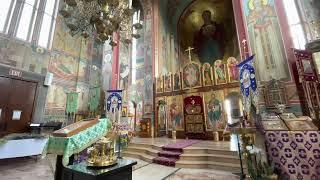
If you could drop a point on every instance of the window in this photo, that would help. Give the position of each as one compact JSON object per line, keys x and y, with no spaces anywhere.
{"x":295,"y":24}
{"x":5,"y":13}
{"x":26,"y":21}
{"x":29,"y":20}
{"x":47,"y":24}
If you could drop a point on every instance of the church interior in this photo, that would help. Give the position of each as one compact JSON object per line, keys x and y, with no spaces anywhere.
{"x":159,"y":89}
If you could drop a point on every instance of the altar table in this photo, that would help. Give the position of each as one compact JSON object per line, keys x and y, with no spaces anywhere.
{"x":121,"y":171}
{"x":66,"y":147}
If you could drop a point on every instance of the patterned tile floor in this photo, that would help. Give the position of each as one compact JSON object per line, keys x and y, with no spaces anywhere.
{"x":43,"y":169}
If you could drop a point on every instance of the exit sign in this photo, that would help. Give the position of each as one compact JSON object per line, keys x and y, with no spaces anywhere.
{"x":13,"y":72}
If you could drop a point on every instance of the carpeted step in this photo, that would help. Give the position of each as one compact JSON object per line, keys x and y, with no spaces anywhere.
{"x":169,"y":154}
{"x":165,"y":161}
{"x":173,"y":149}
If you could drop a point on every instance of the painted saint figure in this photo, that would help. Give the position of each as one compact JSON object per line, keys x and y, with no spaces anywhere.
{"x":232,"y":69}
{"x":175,"y":114}
{"x":209,"y":40}
{"x":265,"y":40}
{"x":219,"y":69}
{"x":214,"y":111}
{"x":207,"y":80}
{"x":176,"y":82}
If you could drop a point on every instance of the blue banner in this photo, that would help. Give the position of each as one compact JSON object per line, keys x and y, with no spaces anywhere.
{"x":114,"y":101}
{"x":248,"y":83}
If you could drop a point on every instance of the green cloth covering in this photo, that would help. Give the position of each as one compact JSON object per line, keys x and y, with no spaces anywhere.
{"x":67,"y":146}
{"x":94,"y":98}
{"x":72,"y":102}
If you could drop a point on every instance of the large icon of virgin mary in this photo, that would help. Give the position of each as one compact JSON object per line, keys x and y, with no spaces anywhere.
{"x":209,"y":40}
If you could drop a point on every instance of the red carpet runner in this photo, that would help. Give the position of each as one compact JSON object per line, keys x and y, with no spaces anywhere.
{"x":171,"y":153}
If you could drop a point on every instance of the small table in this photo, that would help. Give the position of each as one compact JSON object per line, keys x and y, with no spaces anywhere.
{"x":121,"y":171}
{"x":22,"y":148}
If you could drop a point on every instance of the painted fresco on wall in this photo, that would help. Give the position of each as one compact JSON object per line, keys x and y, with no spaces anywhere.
{"x":97,"y":54}
{"x":57,"y":96}
{"x":95,"y":76}
{"x":124,"y":67}
{"x":63,"y":41}
{"x":83,"y":98}
{"x":88,"y":49}
{"x":265,"y":40}
{"x":163,"y":49}
{"x":148,"y":84}
{"x":214,"y":110}
{"x":140,"y":51}
{"x":175,"y":112}
{"x":11,"y":53}
{"x":36,"y":59}
{"x":208,"y":27}
{"x":107,"y":68}
{"x":83,"y":73}
{"x":63,"y":66}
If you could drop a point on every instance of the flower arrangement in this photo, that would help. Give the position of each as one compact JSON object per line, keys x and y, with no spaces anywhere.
{"x":258,"y":170}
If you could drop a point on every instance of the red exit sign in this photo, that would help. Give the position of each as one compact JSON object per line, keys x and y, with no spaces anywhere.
{"x":13,"y":72}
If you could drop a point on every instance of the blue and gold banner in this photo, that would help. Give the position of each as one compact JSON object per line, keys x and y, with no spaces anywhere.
{"x":248,"y":83}
{"x":114,"y":100}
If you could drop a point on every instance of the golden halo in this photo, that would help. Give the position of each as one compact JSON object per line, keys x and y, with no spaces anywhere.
{"x":251,"y":5}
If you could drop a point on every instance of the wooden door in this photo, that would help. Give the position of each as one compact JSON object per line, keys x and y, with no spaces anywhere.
{"x":5,"y":84}
{"x":194,"y":117}
{"x":17,"y":104}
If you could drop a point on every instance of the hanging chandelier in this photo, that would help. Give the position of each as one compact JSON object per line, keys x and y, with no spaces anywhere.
{"x":101,"y":18}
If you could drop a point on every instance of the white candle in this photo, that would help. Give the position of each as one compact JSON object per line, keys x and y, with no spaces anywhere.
{"x":130,"y":4}
{"x":138,"y":16}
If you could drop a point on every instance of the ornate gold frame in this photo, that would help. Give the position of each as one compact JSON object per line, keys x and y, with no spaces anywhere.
{"x":215,"y":74}
{"x":228,"y":70}
{"x":211,"y":75}
{"x":169,"y":76}
{"x":173,"y":81}
{"x":161,"y":84}
{"x":200,"y":80}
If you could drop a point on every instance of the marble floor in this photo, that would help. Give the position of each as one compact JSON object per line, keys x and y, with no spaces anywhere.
{"x":43,"y":169}
{"x":221,"y":145}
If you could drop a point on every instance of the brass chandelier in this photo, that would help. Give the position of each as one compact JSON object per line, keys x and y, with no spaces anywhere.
{"x":100,"y":19}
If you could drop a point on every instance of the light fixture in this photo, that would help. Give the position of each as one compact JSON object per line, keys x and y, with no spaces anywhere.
{"x":101,"y":18}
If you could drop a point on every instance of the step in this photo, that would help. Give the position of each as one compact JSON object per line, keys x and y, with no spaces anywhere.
{"x":165,"y":161}
{"x":210,"y":157}
{"x":138,"y":149}
{"x":169,"y":154}
{"x":151,"y":146}
{"x":209,"y":151}
{"x":142,"y":156}
{"x":229,"y":167}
